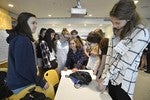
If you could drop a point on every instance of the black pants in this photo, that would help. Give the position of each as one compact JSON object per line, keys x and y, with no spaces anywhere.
{"x":148,"y":61}
{"x":117,"y":93}
{"x":42,"y":70}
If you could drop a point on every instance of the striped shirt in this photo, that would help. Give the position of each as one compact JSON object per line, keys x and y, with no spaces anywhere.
{"x":123,"y":68}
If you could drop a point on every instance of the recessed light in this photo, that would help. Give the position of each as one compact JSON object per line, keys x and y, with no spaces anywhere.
{"x":69,"y":24}
{"x":85,"y":24}
{"x":53,"y":25}
{"x":49,"y":15}
{"x":136,"y":1}
{"x":90,"y":15}
{"x":10,"y":5}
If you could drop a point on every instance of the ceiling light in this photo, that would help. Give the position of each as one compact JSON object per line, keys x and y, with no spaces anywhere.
{"x":69,"y":24}
{"x":85,"y":24}
{"x":90,"y":15}
{"x":49,"y":15}
{"x":53,"y":25}
{"x":136,"y":1}
{"x":10,"y":5}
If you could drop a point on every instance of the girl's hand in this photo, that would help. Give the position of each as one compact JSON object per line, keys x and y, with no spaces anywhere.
{"x":74,"y":69}
{"x":46,"y":86}
{"x":102,"y":87}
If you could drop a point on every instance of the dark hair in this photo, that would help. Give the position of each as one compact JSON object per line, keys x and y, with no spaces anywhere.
{"x":94,"y":37}
{"x":79,"y":38}
{"x":49,"y":41}
{"x":104,"y":43}
{"x":40,"y":34}
{"x":100,"y":32}
{"x":56,"y":34}
{"x":22,"y":26}
{"x":126,"y":10}
{"x":74,"y":31}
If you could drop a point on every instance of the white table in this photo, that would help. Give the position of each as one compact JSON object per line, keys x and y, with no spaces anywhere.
{"x":67,"y":91}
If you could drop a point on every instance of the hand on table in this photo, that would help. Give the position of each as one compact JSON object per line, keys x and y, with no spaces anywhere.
{"x":46,"y":86}
{"x":101,"y":87}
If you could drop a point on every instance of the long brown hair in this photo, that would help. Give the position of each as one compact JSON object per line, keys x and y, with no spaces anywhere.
{"x":126,"y":10}
{"x":78,"y":43}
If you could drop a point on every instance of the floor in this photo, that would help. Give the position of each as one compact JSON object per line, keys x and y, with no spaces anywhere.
{"x":142,"y":89}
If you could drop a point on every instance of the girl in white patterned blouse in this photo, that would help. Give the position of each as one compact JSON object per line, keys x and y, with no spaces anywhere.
{"x":124,"y":51}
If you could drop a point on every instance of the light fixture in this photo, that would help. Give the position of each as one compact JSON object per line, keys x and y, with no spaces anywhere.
{"x":10,"y":5}
{"x":49,"y":15}
{"x":136,"y":1}
{"x":69,"y":24}
{"x":85,"y":24}
{"x":90,"y":15}
{"x":100,"y":25}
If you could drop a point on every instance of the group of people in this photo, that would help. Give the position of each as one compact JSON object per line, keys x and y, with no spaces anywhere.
{"x":116,"y":68}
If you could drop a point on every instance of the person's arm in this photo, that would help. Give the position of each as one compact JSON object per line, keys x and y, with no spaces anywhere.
{"x":102,"y":63}
{"x":25,"y":62}
{"x":101,"y":67}
{"x":82,"y":59}
{"x":136,"y":46}
{"x":85,"y":51}
{"x":108,"y":56}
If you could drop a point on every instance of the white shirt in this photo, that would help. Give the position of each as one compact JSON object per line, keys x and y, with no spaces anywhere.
{"x":62,"y":50}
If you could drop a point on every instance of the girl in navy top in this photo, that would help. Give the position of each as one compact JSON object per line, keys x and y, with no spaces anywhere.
{"x":76,"y":57}
{"x":22,"y":70}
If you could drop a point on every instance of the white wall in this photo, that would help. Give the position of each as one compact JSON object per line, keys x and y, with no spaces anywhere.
{"x":79,"y":24}
{"x":3,"y":46}
{"x":76,"y":23}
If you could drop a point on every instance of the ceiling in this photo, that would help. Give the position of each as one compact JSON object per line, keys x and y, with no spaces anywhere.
{"x":61,"y":8}
{"x":60,"y":11}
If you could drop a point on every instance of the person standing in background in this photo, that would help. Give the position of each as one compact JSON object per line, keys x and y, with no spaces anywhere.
{"x":38,"y":50}
{"x":47,"y":47}
{"x":56,"y":38}
{"x":94,"y":39}
{"x":104,"y":48}
{"x":62,"y":48}
{"x":148,"y":59}
{"x":124,"y":51}
{"x":22,"y":71}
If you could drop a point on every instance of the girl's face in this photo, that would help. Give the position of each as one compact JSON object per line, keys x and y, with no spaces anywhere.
{"x":66,"y":37}
{"x":43,"y":33}
{"x":72,"y":45}
{"x":56,"y":37}
{"x":52,"y":35}
{"x":32,"y":24}
{"x":117,"y":23}
{"x":73,"y":35}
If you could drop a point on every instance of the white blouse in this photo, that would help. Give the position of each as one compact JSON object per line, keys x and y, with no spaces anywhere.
{"x":122,"y":67}
{"x":62,"y":50}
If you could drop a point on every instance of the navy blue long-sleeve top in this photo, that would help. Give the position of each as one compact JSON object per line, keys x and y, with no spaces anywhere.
{"x":77,"y":59}
{"x":22,"y":69}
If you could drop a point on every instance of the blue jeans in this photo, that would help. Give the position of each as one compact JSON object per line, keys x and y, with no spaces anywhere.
{"x":19,"y":89}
